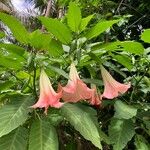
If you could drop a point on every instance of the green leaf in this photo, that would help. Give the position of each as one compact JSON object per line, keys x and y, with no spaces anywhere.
{"x":40,"y":40}
{"x":5,"y":85}
{"x":14,"y":114}
{"x":83,"y":122}
{"x":99,"y":28}
{"x":13,"y":49}
{"x":55,"y":48}
{"x":128,"y":46}
{"x":120,"y":133}
{"x":10,"y":63}
{"x":18,"y":30}
{"x":93,"y":81}
{"x":124,"y":111}
{"x":43,"y":136}
{"x":145,"y":36}
{"x":12,"y":56}
{"x":59,"y":71}
{"x":124,"y":60}
{"x":2,"y":34}
{"x":74,"y":17}
{"x":141,"y":143}
{"x":16,"y":140}
{"x":84,"y":22}
{"x":58,"y":29}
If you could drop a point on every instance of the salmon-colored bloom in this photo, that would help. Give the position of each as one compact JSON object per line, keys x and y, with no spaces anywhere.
{"x":76,"y":89}
{"x":112,"y":88}
{"x":48,"y":97}
{"x":96,"y":97}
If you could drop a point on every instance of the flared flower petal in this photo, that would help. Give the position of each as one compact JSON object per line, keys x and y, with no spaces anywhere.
{"x":112,"y":88}
{"x":48,"y":97}
{"x":96,"y":97}
{"x":76,"y":89}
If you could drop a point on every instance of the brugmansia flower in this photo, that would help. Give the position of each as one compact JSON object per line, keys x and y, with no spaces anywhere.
{"x":96,"y":97}
{"x":76,"y":89}
{"x":112,"y":88}
{"x":48,"y":97}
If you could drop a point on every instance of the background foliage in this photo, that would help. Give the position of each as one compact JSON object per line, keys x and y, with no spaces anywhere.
{"x":112,"y":33}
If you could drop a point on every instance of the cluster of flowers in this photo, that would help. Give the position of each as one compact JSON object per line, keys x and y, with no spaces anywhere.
{"x":77,"y":90}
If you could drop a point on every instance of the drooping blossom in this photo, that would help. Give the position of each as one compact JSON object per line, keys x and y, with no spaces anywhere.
{"x":112,"y":88}
{"x":48,"y":97}
{"x":76,"y":89}
{"x":96,"y":97}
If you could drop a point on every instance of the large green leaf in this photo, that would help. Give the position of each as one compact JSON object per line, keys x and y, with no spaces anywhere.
{"x":39,"y":40}
{"x":146,"y":36}
{"x":58,"y":29}
{"x":128,"y":46}
{"x":14,"y":114}
{"x":125,"y":60}
{"x":43,"y":136}
{"x":124,"y":111}
{"x":18,"y":30}
{"x":83,"y":122}
{"x":16,"y":140}
{"x":74,"y":17}
{"x":84,"y":22}
{"x":99,"y":28}
{"x":120,"y":133}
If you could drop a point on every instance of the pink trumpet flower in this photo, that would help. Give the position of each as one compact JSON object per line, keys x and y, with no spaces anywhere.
{"x":112,"y":88}
{"x":96,"y":97}
{"x":76,"y":89}
{"x":48,"y":97}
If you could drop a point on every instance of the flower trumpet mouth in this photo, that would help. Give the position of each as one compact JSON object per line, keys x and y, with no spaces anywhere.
{"x":48,"y":97}
{"x":112,"y":88}
{"x":76,"y":89}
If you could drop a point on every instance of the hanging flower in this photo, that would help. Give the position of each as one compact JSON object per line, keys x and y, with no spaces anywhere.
{"x":96,"y":97}
{"x":76,"y":89}
{"x":112,"y":88}
{"x":48,"y":97}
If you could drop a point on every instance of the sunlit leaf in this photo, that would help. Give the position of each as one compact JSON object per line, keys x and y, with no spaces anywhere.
{"x":55,"y":48}
{"x":84,"y":22}
{"x":18,"y":30}
{"x":57,"y":28}
{"x":40,"y":40}
{"x":99,"y":28}
{"x":145,"y":36}
{"x":74,"y":17}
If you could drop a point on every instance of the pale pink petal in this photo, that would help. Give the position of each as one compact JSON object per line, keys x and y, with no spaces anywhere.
{"x":96,"y":97}
{"x":76,"y":89}
{"x":112,"y":88}
{"x":48,"y":97}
